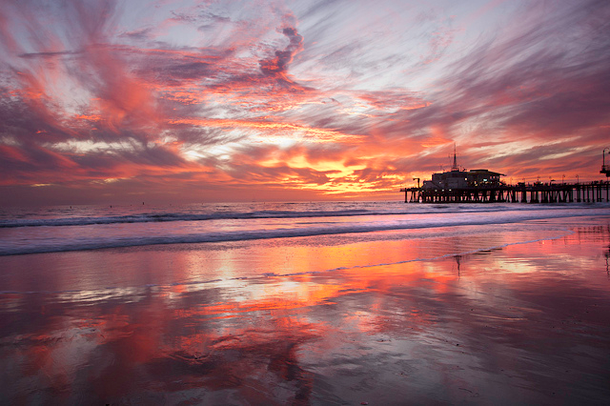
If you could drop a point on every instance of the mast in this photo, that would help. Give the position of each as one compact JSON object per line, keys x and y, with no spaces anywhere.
{"x":455,"y":166}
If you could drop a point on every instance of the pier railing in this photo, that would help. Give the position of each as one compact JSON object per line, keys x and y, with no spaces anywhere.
{"x":521,"y":193}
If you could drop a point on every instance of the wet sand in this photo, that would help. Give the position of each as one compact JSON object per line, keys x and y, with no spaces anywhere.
{"x":512,"y":314}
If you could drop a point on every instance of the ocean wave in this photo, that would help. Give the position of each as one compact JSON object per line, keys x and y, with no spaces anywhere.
{"x":157,"y":217}
{"x":409,"y":223}
{"x":167,"y":217}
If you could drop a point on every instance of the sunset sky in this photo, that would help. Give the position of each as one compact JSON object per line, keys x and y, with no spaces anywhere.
{"x":187,"y":101}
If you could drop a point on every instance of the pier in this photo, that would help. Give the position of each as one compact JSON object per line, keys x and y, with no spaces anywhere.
{"x":590,"y":192}
{"x":484,"y":186}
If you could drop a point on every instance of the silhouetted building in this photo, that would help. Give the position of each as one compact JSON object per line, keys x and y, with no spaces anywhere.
{"x":462,"y":179}
{"x":457,"y":179}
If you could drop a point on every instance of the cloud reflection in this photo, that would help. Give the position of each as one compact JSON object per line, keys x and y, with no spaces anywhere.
{"x":517,"y":320}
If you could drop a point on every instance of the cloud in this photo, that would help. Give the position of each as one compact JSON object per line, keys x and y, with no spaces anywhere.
{"x":276,"y":67}
{"x":530,"y":83}
{"x":312,"y":97}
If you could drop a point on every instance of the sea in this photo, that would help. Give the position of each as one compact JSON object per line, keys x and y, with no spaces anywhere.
{"x":27,"y":230}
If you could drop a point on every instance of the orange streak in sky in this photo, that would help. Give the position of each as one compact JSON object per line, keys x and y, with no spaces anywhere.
{"x":320,"y":133}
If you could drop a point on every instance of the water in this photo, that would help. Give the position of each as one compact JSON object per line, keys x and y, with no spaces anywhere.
{"x":305,"y":304}
{"x":76,"y":228}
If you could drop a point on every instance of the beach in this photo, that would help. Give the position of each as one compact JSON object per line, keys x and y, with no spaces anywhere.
{"x":512,"y":311}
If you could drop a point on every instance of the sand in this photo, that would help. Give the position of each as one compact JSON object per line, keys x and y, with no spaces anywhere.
{"x":513,"y":314}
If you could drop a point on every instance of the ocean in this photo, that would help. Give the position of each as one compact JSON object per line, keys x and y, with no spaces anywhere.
{"x":313,"y":303}
{"x":76,"y":228}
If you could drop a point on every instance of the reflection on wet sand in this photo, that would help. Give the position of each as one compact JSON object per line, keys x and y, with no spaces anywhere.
{"x":315,"y":322}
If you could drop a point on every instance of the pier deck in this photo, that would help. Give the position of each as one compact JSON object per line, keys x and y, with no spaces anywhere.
{"x":521,"y":193}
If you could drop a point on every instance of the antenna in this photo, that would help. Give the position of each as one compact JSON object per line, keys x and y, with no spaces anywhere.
{"x":455,"y":166}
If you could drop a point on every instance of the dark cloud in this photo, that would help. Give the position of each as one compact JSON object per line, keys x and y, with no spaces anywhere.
{"x":143,"y":34}
{"x":276,"y":67}
{"x":49,"y":54}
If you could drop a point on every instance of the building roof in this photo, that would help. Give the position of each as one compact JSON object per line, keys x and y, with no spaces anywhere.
{"x":487,"y":171}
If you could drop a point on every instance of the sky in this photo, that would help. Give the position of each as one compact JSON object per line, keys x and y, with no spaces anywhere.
{"x":107,"y":101}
